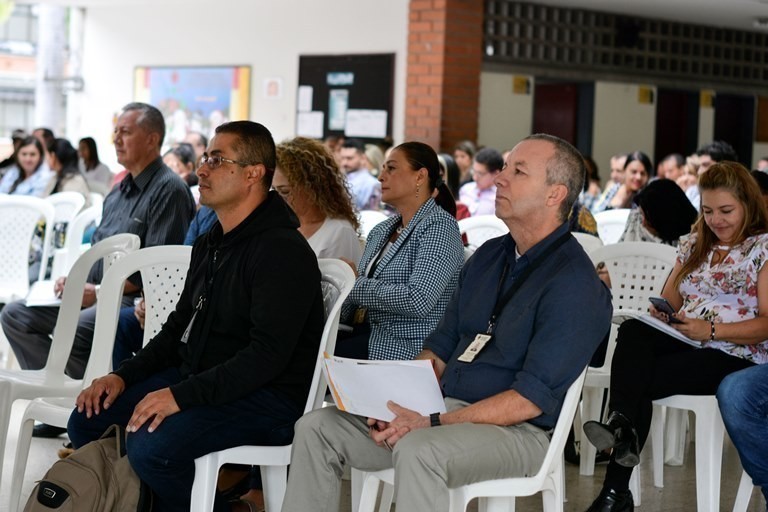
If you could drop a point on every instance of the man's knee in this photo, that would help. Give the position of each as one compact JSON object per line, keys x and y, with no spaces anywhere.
{"x":417,"y":448}
{"x":315,"y":422}
{"x":9,"y":317}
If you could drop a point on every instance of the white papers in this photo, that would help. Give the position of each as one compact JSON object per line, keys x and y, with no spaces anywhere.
{"x":310,"y":124}
{"x":338,"y":101}
{"x":364,"y":387}
{"x":304,"y":101}
{"x":658,"y":324}
{"x":366,"y":123}
{"x":41,"y":294}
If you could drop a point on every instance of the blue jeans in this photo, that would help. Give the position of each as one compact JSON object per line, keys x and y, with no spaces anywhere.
{"x":743,"y":400}
{"x":129,"y":337}
{"x":165,"y":459}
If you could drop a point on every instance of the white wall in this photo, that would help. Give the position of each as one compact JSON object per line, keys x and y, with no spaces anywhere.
{"x":706,"y":126}
{"x":622,"y":124}
{"x":759,"y":150}
{"x":268,"y":36}
{"x":505,"y":117}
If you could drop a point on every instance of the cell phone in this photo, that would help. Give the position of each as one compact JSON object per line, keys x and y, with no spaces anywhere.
{"x":664,"y":306}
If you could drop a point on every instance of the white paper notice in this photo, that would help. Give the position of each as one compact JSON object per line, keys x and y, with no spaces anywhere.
{"x":304,"y":101}
{"x":366,"y":123}
{"x":41,"y":294}
{"x":310,"y":124}
{"x":364,"y":387}
{"x":338,"y":101}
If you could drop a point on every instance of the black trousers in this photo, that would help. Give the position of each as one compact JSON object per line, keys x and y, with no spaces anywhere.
{"x":649,"y":365}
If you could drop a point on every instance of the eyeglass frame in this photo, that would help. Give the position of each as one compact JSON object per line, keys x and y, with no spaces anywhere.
{"x":205,"y":160}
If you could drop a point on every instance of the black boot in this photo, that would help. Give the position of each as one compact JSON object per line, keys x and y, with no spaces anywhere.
{"x":613,"y":501}
{"x":618,"y":434}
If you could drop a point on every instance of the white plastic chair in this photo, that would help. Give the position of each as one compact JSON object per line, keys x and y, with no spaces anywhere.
{"x":51,"y":380}
{"x":338,"y":279}
{"x":611,"y":224}
{"x":481,"y":228}
{"x":65,"y":257}
{"x":368,"y":220}
{"x":710,"y":432}
{"x":19,"y":216}
{"x":744,"y":493}
{"x":163,"y":272}
{"x":496,"y":495}
{"x":588,"y":242}
{"x":66,"y":205}
{"x":97,"y":200}
{"x":638,"y":270}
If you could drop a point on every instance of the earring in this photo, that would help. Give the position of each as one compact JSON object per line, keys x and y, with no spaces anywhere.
{"x":418,"y":187}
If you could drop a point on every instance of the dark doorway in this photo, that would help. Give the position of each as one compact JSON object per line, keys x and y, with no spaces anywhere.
{"x":565,"y":110}
{"x":677,"y":122}
{"x":735,"y":124}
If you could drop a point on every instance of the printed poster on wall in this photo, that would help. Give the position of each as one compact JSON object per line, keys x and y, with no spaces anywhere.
{"x":366,"y":123}
{"x":338,"y":101}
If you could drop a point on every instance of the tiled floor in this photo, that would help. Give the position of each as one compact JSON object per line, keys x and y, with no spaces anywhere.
{"x":678,"y":494}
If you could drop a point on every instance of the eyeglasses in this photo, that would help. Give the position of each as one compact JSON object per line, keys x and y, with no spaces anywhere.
{"x":214,"y":161}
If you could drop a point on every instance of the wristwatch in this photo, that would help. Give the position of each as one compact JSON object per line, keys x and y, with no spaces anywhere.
{"x":434,"y":419}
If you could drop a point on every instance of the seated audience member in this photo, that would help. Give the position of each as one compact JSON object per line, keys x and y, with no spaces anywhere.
{"x":592,"y":190}
{"x":672,"y":166}
{"x":450,"y":174}
{"x":548,"y":317}
{"x":638,"y":169}
{"x":581,"y":220}
{"x":410,"y":264}
{"x":717,"y":288}
{"x":17,"y":137}
{"x":741,"y":397}
{"x":366,"y":190}
{"x":662,"y":216}
{"x":181,"y":159}
{"x":617,"y":178}
{"x":233,"y":363}
{"x":762,"y":164}
{"x":690,"y":175}
{"x":373,"y":159}
{"x":151,"y":202}
{"x":199,"y":144}
{"x":97,"y":174}
{"x":62,"y":160}
{"x":30,"y":174}
{"x":480,"y":193}
{"x":708,"y":155}
{"x":310,"y":182}
{"x":463,"y":154}
{"x":762,"y":181}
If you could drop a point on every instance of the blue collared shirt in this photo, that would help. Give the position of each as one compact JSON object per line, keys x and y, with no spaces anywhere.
{"x":544,"y":336}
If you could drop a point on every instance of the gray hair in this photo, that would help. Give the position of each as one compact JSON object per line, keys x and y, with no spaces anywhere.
{"x":150,"y":119}
{"x":566,"y":167}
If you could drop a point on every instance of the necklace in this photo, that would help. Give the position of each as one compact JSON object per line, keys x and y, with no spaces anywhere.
{"x":399,"y":229}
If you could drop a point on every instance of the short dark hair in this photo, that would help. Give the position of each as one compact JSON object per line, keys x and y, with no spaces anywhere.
{"x":93,"y":153}
{"x":467,"y":147}
{"x":47,"y":134}
{"x":761,"y":177}
{"x":644,"y":159}
{"x":566,"y":167}
{"x":202,"y":139}
{"x":150,"y":119}
{"x":354,"y":143}
{"x":666,"y":209}
{"x":719,"y":151}
{"x":255,"y":145}
{"x":677,"y":157}
{"x":184,"y":152}
{"x":490,"y":158}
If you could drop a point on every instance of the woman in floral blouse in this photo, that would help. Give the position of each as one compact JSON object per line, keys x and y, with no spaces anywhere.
{"x":719,"y":288}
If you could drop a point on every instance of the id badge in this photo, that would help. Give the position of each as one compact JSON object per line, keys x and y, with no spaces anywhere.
{"x":359,"y":316}
{"x":474,"y":348}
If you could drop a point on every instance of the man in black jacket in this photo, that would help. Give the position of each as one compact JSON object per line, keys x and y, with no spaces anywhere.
{"x":233,"y":363}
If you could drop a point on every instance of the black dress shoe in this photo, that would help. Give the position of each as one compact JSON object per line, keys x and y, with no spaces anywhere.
{"x":616,"y":433}
{"x":45,"y":430}
{"x":613,"y":501}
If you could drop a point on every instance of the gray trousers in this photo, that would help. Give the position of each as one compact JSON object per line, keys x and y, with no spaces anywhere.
{"x":29,"y":333}
{"x":427,"y":462}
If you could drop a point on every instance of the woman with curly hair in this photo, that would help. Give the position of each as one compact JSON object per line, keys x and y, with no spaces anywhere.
{"x":309,"y":180}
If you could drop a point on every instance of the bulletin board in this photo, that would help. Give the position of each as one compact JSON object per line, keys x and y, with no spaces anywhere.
{"x":346,"y":95}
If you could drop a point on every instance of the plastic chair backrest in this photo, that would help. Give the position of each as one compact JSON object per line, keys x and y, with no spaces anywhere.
{"x":337,"y":281}
{"x":151,"y":262}
{"x":588,"y":242}
{"x":611,"y":224}
{"x":97,"y":200}
{"x":66,"y":204}
{"x":368,"y":220}
{"x":109,"y":249}
{"x":638,"y":270}
{"x":73,"y":242}
{"x":19,"y":216}
{"x":481,"y":228}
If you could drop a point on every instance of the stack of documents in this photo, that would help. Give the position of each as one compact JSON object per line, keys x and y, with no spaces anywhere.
{"x":622,"y":315}
{"x":364,"y":387}
{"x":41,"y":294}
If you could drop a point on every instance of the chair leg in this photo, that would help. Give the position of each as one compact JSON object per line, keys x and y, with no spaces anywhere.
{"x":274,"y":481}
{"x":20,"y":463}
{"x":636,"y":486}
{"x":387,"y":497}
{"x":744,"y":493}
{"x":657,"y":443}
{"x":676,"y":425}
{"x":204,"y":486}
{"x":591,"y":401}
{"x":710,"y":431}
{"x":356,"y":480}
{"x":5,"y":417}
{"x":369,"y":490}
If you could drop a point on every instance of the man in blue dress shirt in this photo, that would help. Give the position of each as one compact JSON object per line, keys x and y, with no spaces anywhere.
{"x":526,"y":318}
